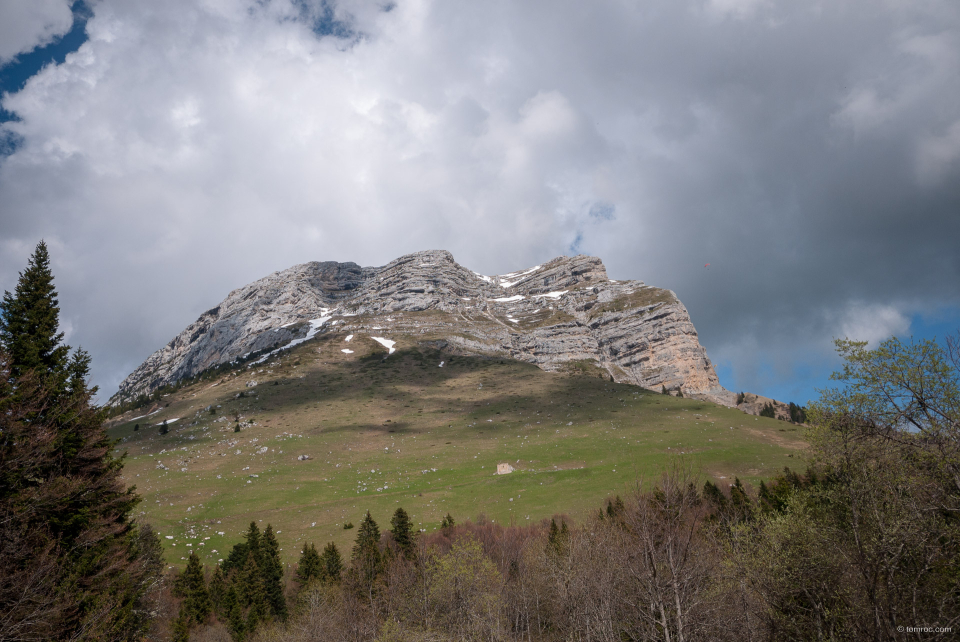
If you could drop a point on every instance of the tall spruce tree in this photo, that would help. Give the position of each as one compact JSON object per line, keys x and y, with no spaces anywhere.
{"x":196,"y":600}
{"x":367,"y":559}
{"x":331,"y":564}
{"x":402,"y":532}
{"x":309,"y":566}
{"x":73,"y":562}
{"x":30,"y":320}
{"x":272,"y":570}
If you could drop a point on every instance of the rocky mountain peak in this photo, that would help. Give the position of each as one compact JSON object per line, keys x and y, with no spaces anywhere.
{"x":562,"y":312}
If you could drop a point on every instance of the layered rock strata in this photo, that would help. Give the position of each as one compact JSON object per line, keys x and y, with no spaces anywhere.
{"x":559,"y":314}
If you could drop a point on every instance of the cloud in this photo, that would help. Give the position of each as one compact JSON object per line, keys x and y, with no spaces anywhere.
{"x":805,"y":150}
{"x":27,"y":25}
{"x":872,"y":323}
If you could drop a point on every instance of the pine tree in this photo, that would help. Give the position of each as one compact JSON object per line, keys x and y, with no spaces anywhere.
{"x":238,"y":554}
{"x":331,"y":564}
{"x":447,"y":522}
{"x":309,"y":567}
{"x":65,"y":511}
{"x":234,"y":610}
{"x":218,"y":590}
{"x":196,"y":603}
{"x":30,"y":318}
{"x":367,"y":559}
{"x":180,"y":632}
{"x":272,"y":570}
{"x":402,"y":532}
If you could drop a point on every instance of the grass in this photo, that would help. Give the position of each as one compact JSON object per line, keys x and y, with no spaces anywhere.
{"x":387,"y":431}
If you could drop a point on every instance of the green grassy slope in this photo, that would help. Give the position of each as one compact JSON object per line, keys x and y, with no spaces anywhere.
{"x":402,"y":431}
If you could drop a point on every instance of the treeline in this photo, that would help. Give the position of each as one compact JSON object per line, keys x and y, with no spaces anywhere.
{"x":864,"y":545}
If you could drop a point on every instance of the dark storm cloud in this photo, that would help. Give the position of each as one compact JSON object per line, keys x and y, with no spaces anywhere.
{"x":808,"y":151}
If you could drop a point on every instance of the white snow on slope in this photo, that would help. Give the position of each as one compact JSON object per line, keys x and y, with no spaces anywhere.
{"x":552,"y":295}
{"x":386,"y":343}
{"x":347,"y":351}
{"x":505,"y":283}
{"x":485,"y":278}
{"x":349,"y":337}
{"x":508,"y":299}
{"x":146,"y":415}
{"x":169,"y":421}
{"x":315,"y":325}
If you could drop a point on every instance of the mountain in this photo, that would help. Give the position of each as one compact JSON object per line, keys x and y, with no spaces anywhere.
{"x":563,"y":314}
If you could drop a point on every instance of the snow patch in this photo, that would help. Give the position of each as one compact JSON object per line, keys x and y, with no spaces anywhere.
{"x":169,"y":421}
{"x":508,"y":299}
{"x":386,"y":343}
{"x":315,"y":325}
{"x":552,"y":295}
{"x":505,"y":283}
{"x":349,"y":338}
{"x":347,"y":351}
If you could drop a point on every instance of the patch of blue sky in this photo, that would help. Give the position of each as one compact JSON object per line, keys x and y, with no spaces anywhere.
{"x":15,"y":74}
{"x":801,"y":385}
{"x":323,"y":20}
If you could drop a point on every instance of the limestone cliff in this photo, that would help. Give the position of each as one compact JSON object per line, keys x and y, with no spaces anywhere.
{"x":559,"y":314}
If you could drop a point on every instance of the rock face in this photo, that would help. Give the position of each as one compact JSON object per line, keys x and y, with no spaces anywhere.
{"x":562,"y":314}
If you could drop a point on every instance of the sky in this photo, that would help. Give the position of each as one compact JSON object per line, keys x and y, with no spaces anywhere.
{"x":808,"y":151}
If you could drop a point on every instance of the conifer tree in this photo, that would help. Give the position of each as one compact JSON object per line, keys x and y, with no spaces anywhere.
{"x":272,"y":570}
{"x":196,"y":602}
{"x":447,"y":522}
{"x":217,"y":590}
{"x":367,"y":559}
{"x":234,"y":611}
{"x":30,"y":319}
{"x":331,"y":564}
{"x":402,"y":532}
{"x":180,"y":631}
{"x":65,"y":513}
{"x":238,"y":554}
{"x":309,"y":566}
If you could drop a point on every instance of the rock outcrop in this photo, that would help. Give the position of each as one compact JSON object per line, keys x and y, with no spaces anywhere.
{"x":564,"y":313}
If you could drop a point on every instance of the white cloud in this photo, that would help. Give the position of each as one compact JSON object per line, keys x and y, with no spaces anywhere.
{"x":26,"y":24}
{"x":190,"y":147}
{"x":872,"y":323}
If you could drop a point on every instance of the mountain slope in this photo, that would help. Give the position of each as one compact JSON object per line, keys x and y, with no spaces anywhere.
{"x":561,"y":314}
{"x":313,"y":437}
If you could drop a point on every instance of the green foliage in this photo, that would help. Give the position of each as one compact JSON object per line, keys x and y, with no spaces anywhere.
{"x":464,"y":592}
{"x":402,"y":531}
{"x":74,"y":563}
{"x":180,"y":631}
{"x":663,"y":390}
{"x":310,"y":566}
{"x":798,"y":414}
{"x":558,"y":537}
{"x":768,"y":410}
{"x":272,"y":571}
{"x":447,"y":522}
{"x":740,"y":397}
{"x":347,"y":526}
{"x":331,"y":564}
{"x":29,"y":321}
{"x":366,"y":563}
{"x":164,"y":428}
{"x":196,"y":604}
